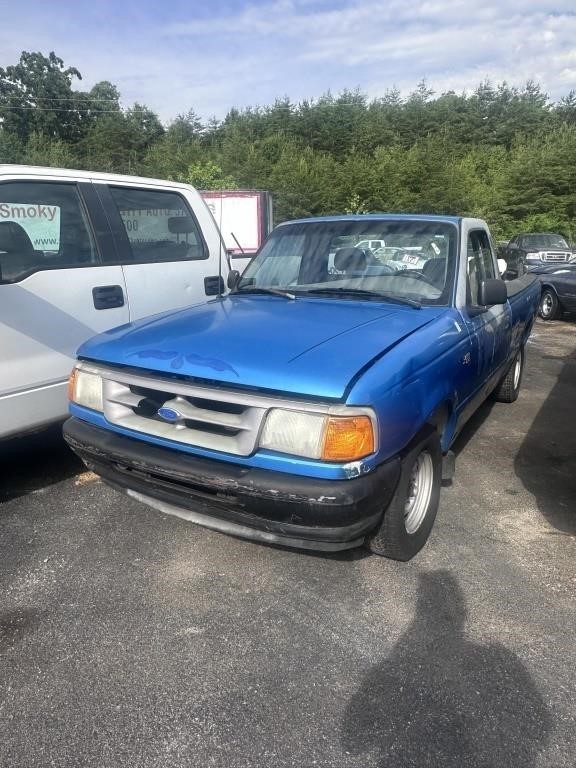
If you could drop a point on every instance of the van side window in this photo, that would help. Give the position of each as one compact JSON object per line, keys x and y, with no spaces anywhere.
{"x":159,"y":225}
{"x":480,"y":264}
{"x":42,"y":226}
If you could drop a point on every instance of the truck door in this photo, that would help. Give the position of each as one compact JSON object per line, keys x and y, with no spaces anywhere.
{"x":164,"y":256}
{"x":55,"y":293}
{"x":490,"y":327}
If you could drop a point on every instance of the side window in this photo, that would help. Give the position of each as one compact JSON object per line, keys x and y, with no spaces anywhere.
{"x":480,"y":264}
{"x":159,"y":225}
{"x":42,"y":226}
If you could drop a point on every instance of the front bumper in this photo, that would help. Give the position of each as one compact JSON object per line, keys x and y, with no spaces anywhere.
{"x":533,"y":264}
{"x":252,"y":503}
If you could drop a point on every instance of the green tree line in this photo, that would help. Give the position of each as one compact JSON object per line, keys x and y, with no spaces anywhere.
{"x":499,"y":152}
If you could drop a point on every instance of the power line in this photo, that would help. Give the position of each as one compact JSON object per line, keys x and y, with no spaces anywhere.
{"x":78,"y":109}
{"x":59,"y":98}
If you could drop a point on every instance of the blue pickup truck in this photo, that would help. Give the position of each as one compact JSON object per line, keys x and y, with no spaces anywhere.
{"x":315,"y":404}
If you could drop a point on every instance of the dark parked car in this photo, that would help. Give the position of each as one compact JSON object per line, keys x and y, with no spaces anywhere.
{"x":558,"y":290}
{"x":536,"y":249}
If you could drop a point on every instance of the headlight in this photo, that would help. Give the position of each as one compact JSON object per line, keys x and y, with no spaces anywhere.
{"x":318,"y":436}
{"x":85,"y":389}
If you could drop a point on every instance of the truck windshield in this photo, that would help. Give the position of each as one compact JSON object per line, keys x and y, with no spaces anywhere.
{"x":409,"y":261}
{"x":544,"y":241}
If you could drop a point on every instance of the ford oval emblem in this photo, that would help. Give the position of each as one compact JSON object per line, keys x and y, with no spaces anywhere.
{"x":169,"y":414}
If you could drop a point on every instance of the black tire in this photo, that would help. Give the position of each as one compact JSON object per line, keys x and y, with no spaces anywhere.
{"x":509,"y":388}
{"x":549,"y":308}
{"x":392,"y":538}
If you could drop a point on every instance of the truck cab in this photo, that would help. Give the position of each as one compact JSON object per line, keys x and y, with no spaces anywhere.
{"x":531,"y":250}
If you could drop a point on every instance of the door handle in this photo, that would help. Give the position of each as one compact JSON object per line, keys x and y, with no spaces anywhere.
{"x":108,"y":296}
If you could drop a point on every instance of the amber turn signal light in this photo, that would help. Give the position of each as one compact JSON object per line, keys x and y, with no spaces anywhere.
{"x":347,"y":438}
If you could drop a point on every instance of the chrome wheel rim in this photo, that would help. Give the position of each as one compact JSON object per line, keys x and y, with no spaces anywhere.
{"x":419,"y":492}
{"x":517,"y":370}
{"x":546,"y":305}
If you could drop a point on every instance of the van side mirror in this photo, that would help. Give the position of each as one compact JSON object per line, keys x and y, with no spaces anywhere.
{"x":492,"y":292}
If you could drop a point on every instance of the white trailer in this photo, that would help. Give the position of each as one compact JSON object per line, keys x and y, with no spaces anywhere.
{"x":244,"y":217}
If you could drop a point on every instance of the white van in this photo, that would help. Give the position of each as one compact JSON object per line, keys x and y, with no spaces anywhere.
{"x":81,"y":253}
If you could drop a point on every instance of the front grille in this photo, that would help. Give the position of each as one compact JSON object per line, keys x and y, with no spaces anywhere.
{"x":556,"y":256}
{"x":198,"y":416}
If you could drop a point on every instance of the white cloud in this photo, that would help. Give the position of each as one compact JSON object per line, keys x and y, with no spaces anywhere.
{"x":302,"y":48}
{"x":374,"y":45}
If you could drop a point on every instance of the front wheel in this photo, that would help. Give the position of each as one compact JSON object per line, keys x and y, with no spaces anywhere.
{"x":407,"y":522}
{"x":549,"y":308}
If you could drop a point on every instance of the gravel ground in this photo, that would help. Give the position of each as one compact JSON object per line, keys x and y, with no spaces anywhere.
{"x":129,"y":638}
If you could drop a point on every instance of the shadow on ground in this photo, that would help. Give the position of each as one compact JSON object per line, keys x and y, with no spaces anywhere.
{"x":546,"y":461}
{"x":472,"y":426}
{"x":35,"y":461}
{"x":440,"y":699}
{"x":14,"y":625}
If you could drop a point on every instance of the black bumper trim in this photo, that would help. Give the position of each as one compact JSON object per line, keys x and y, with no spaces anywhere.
{"x":294,"y":510}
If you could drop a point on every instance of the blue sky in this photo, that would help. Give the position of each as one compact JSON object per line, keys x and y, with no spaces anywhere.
{"x":211,"y":56}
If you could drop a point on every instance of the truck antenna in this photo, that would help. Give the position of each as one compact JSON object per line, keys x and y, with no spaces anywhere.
{"x":237,"y":241}
{"x":220,"y":281}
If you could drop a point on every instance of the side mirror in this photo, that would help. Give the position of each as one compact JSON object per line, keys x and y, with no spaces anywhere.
{"x":502,"y":266}
{"x":233,"y":278}
{"x":492,"y":292}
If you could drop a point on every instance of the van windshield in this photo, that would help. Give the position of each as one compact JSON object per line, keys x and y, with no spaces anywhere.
{"x":403,"y":259}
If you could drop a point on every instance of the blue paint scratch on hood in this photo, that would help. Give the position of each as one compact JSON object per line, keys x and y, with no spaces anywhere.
{"x":311,"y":347}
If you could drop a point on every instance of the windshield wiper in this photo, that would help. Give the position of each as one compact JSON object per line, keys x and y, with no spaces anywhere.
{"x":264,"y":291}
{"x":366,"y":294}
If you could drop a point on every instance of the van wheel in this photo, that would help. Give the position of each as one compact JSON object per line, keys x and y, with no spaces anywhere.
{"x":407,"y":522}
{"x":509,"y":388}
{"x":549,"y":308}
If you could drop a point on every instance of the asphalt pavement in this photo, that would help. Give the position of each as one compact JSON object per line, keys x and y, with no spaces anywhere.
{"x":131,"y":638}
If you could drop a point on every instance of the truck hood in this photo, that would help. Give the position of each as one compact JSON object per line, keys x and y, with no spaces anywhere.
{"x":311,"y":347}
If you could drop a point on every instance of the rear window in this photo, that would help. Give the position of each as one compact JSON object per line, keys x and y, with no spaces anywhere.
{"x":159,"y":225}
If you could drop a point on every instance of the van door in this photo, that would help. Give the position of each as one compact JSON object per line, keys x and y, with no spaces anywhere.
{"x":55,"y":293}
{"x":164,"y":255}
